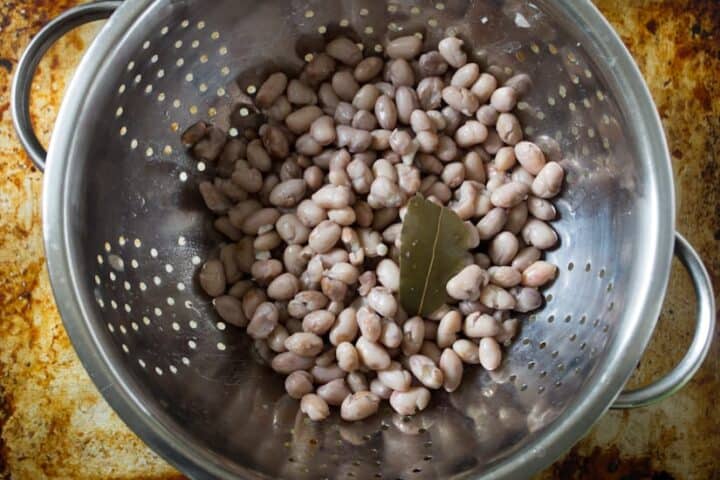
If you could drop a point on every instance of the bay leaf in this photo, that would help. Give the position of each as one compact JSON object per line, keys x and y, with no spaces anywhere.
{"x":433,"y":243}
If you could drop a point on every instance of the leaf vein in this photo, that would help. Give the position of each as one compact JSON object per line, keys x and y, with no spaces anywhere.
{"x":432,"y":261}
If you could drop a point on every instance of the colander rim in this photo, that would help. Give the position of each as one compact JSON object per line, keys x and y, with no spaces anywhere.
{"x":188,"y":455}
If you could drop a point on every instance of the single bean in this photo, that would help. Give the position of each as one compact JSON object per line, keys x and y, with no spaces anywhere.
{"x":382,"y":301}
{"x":300,"y":120}
{"x":451,"y":50}
{"x":345,"y":85}
{"x":334,"y":289}
{"x":538,"y":274}
{"x":411,"y":401}
{"x":503,"y":248}
{"x":465,"y":76}
{"x":271,"y":89}
{"x":324,"y":236}
{"x":488,"y":116}
{"x":517,"y":218}
{"x":334,"y":392}
{"x":318,"y":321}
{"x":453,"y":119}
{"x":471,"y":133}
{"x":509,"y":195}
{"x":509,"y":330}
{"x":368,"y":69}
{"x":519,"y":174}
{"x":314,"y":407}
{"x":521,"y":83}
{"x":530,"y":157}
{"x":451,"y":365}
{"x":251,"y":300}
{"x":438,"y":119}
{"x":267,"y":241}
{"x":504,"y":99}
{"x":490,"y":354}
{"x":364,"y":120}
{"x":264,"y":271}
{"x":276,"y":339}
{"x":484,"y":87}
{"x":357,"y":381}
{"x":448,"y":328}
{"x":215,"y":200}
{"x":385,"y":193}
{"x":380,"y":139}
{"x":369,"y":323}
{"x":493,"y":142}
{"x":329,"y":196}
{"x":318,"y":69}
{"x":328,"y":98}
{"x":461,"y":99}
{"x":194,"y":133}
{"x":300,"y":94}
{"x":327,"y":373}
{"x":496,"y":297}
{"x":264,"y":320}
{"x":380,"y":389}
{"x":549,"y":180}
{"x":508,"y":128}
{"x":359,"y":406}
{"x":298,"y":384}
{"x":541,"y":208}
{"x":345,"y":328}
{"x":288,"y":193}
{"x":322,"y":130}
{"x":526,"y":257}
{"x":407,"y":47}
{"x":372,"y":355}
{"x":413,"y":336}
{"x":408,"y":178}
{"x":306,"y":145}
{"x":344,"y":50}
{"x":392,"y":335}
{"x":366,"y":97}
{"x":395,"y":377}
{"x":230,"y":310}
{"x":212,"y":278}
{"x":539,"y":234}
{"x":400,"y":73}
{"x":432,"y":64}
{"x":425,"y":370}
{"x":283,"y":287}
{"x":304,"y":344}
{"x":467,"y":350}
{"x":447,"y":150}
{"x":347,"y":357}
{"x":354,"y":139}
{"x":527,"y":299}
{"x":466,"y":284}
{"x":406,"y":101}
{"x":280,"y":109}
{"x":504,"y":276}
{"x":429,"y":92}
{"x":480,"y":325}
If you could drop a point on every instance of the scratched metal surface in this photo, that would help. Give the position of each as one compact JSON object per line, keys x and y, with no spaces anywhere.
{"x":55,"y":424}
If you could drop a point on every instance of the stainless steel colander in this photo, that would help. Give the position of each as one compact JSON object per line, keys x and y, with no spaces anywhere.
{"x":125,"y":231}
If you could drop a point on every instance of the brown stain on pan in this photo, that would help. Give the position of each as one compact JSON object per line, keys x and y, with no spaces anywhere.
{"x":55,"y":424}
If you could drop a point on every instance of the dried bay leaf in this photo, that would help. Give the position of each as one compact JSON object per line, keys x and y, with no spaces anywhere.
{"x":433,"y":244}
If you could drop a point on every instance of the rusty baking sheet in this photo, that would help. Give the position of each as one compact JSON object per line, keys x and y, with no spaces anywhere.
{"x":56,"y":425}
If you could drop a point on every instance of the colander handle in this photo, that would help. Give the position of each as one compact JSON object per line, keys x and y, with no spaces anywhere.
{"x":25,"y":71}
{"x":704,"y":327}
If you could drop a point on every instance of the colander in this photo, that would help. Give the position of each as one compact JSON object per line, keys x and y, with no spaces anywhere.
{"x":125,"y":230}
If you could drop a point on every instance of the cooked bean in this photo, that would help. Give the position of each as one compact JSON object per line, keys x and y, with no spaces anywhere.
{"x":270,"y":182}
{"x":314,"y":407}
{"x":298,"y":384}
{"x":530,"y":157}
{"x":304,"y":344}
{"x":372,"y":355}
{"x":344,"y":50}
{"x":369,"y":323}
{"x":406,"y":101}
{"x":484,"y":87}
{"x":411,"y":401}
{"x":388,"y":274}
{"x":504,"y":276}
{"x":364,"y":120}
{"x":334,"y":289}
{"x":541,"y":208}
{"x":504,"y":99}
{"x":432,"y":64}
{"x":318,"y":69}
{"x":328,"y":98}
{"x":359,"y":406}
{"x":292,"y":230}
{"x":429,"y":92}
{"x":334,"y":392}
{"x":461,"y":99}
{"x":368,"y":69}
{"x":280,"y":109}
{"x":527,"y":299}
{"x":480,"y":325}
{"x":327,"y":373}
{"x":385,"y":193}
{"x":466,"y":284}
{"x":194,"y":133}
{"x":509,"y":194}
{"x":392,"y":335}
{"x":488,"y":116}
{"x":230,"y":310}
{"x":212,"y":278}
{"x":425,"y":370}
{"x":430,"y":330}
{"x":318,"y":321}
{"x":288,"y":362}
{"x":395,"y":377}
{"x":283,"y":287}
{"x":508,"y":128}
{"x":366,"y":97}
{"x":470,"y":134}
{"x":251,"y":300}
{"x":300,"y":120}
{"x":354,"y":139}
{"x":466,"y":76}
{"x":345,"y":85}
{"x":347,"y":356}
{"x":306,"y":145}
{"x":300,"y":94}
{"x":448,"y":328}
{"x":539,"y":234}
{"x":413,"y":336}
{"x":271,"y":89}
{"x":496,"y":297}
{"x":503,"y":248}
{"x":264,"y":271}
{"x":400,"y":73}
{"x":538,"y":274}
{"x":215,"y":200}
{"x":451,"y":50}
{"x":357,"y":381}
{"x":549,"y":180}
{"x":380,"y":389}
{"x":276,"y":339}
{"x":267,"y":241}
{"x":288,"y":193}
{"x":324,"y":236}
{"x":345,"y":328}
{"x":517,"y":218}
{"x":264,"y":320}
{"x":467,"y":351}
{"x":447,"y":151}
{"x":519,"y":174}
{"x":407,"y":47}
{"x":386,"y":112}
{"x":275,"y":143}
{"x":490,"y":354}
{"x":322,"y":130}
{"x":526,"y":257}
{"x":451,"y":365}
{"x":382,"y":301}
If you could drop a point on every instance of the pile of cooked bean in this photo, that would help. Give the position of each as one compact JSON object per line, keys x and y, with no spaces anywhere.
{"x":312,"y":203}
